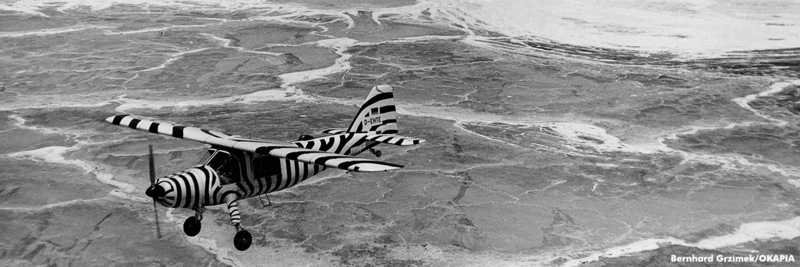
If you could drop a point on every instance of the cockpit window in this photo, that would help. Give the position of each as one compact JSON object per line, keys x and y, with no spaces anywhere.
{"x":226,"y":165}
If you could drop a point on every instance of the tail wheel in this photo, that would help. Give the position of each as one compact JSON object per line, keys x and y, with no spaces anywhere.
{"x":191,"y":226}
{"x":375,"y":152}
{"x":242,"y":240}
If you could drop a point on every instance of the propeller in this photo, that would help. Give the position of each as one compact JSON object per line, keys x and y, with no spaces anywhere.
{"x":154,"y":191}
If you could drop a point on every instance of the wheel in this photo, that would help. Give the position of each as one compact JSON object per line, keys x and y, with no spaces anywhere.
{"x":242,"y":240}
{"x":191,"y":226}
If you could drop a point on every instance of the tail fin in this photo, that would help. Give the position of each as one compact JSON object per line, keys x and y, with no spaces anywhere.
{"x":377,"y":113}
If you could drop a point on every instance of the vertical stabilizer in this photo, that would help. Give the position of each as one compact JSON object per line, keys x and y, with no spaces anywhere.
{"x":377,"y":114}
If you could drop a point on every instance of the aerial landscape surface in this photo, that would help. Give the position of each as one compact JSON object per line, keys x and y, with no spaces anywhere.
{"x":559,"y":133}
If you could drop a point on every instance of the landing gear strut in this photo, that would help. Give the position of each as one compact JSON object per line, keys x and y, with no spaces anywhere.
{"x":243,"y":239}
{"x":192,"y":224}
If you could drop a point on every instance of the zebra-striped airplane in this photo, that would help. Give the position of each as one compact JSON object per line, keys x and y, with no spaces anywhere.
{"x":236,"y":168}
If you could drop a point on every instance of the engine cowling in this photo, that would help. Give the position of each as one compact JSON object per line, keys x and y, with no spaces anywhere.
{"x":192,"y":188}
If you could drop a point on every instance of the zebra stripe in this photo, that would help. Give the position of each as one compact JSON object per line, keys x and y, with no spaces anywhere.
{"x":355,"y":125}
{"x":233,"y":209}
{"x":334,"y":131}
{"x":260,"y":183}
{"x":284,"y":169}
{"x":272,"y":182}
{"x":193,"y":188}
{"x":178,"y":131}
{"x":199,"y":189}
{"x":335,"y":144}
{"x":298,"y":173}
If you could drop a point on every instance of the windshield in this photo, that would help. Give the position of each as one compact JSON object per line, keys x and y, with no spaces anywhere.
{"x":206,"y":156}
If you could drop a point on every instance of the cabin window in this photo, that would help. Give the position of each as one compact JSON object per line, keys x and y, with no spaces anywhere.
{"x":227,"y":166}
{"x":266,"y":166}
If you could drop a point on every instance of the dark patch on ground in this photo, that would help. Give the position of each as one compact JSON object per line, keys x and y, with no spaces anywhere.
{"x":258,"y":36}
{"x":761,"y":142}
{"x":720,"y":230}
{"x":106,"y":233}
{"x":30,"y":184}
{"x":369,"y":255}
{"x":784,"y":104}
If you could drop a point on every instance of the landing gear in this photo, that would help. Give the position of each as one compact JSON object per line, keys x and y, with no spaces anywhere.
{"x":192,"y":224}
{"x":375,"y":152}
{"x":243,"y":239}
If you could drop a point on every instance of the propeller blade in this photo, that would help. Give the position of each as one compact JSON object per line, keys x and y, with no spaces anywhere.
{"x":153,"y":184}
{"x":158,"y":226}
{"x":152,"y":168}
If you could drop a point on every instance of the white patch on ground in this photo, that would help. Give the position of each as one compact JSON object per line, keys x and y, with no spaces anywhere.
{"x":173,"y":58}
{"x":289,"y":92}
{"x":33,"y":6}
{"x":775,"y":88}
{"x":55,"y":154}
{"x":49,"y":31}
{"x":747,"y":232}
{"x":691,"y":28}
{"x":226,"y":43}
{"x":572,"y":132}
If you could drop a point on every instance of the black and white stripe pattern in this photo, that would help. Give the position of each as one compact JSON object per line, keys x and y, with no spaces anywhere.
{"x":394,"y":139}
{"x":179,"y":131}
{"x":377,"y":114}
{"x":334,"y":131}
{"x":192,"y":188}
{"x":329,"y":159}
{"x":286,"y":150}
{"x":391,"y":139}
{"x":233,"y":209}
{"x":198,"y":187}
{"x":292,"y":173}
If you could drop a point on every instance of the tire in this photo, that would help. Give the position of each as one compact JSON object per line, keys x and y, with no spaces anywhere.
{"x":191,"y":227}
{"x":242,"y":240}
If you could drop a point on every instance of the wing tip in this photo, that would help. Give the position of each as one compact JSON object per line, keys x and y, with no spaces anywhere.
{"x":375,"y":167}
{"x":116,"y":118}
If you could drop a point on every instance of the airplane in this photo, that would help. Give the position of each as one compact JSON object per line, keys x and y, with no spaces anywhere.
{"x":236,"y":168}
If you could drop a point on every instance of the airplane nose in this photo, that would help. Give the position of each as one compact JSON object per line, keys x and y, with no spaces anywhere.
{"x":155,"y":191}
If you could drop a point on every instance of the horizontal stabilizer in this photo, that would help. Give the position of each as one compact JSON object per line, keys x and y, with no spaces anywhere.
{"x":394,"y":139}
{"x":328,"y":159}
{"x":334,"y":131}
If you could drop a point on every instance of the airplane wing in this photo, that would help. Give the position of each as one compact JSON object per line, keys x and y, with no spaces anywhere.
{"x":179,"y":131}
{"x":275,"y":149}
{"x":391,"y":139}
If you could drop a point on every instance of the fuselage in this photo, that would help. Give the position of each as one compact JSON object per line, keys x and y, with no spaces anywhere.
{"x":225,"y":171}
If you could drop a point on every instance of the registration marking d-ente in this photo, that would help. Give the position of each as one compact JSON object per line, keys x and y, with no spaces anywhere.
{"x":373,"y":120}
